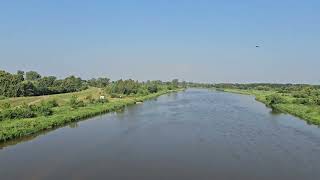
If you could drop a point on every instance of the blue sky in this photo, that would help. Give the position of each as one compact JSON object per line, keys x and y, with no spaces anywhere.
{"x":204,"y":41}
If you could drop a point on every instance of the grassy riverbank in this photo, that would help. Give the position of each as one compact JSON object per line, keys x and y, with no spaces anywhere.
{"x":308,"y":112}
{"x":64,"y":113}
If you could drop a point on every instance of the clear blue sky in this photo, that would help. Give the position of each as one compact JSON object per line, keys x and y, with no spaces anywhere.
{"x":205,"y":41}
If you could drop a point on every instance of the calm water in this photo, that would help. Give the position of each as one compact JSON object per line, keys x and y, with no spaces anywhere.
{"x":196,"y":135}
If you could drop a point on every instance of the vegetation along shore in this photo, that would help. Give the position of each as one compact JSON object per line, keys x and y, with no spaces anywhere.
{"x":301,"y":100}
{"x":31,"y":103}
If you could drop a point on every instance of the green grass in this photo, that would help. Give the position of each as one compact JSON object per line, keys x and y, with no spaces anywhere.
{"x":62,"y":99}
{"x":15,"y":128}
{"x":309,"y":113}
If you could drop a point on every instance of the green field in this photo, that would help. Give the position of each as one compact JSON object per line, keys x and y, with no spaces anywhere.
{"x":307,"y":112}
{"x":62,"y":99}
{"x":64,"y":113}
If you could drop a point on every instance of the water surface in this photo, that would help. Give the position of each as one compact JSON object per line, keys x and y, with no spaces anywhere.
{"x":197,"y":134}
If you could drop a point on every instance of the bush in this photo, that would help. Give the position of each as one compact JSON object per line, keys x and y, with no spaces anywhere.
{"x":90,"y":99}
{"x":275,"y":99}
{"x":153,"y":88}
{"x":44,"y":110}
{"x":301,"y":101}
{"x":52,"y":103}
{"x":24,"y":111}
{"x":299,"y":95}
{"x":73,"y":100}
{"x":143,"y":92}
{"x":27,"y":111}
{"x":45,"y":107}
{"x":316,"y":100}
{"x":7,"y":114}
{"x":75,"y":103}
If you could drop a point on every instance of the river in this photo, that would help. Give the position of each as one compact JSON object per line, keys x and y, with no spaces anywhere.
{"x":197,"y":134}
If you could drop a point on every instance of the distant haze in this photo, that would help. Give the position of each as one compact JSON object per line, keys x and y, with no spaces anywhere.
{"x":201,"y":41}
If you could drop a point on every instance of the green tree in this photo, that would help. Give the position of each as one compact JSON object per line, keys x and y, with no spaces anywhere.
{"x":27,"y":88}
{"x":175,"y":83}
{"x":72,"y":84}
{"x":125,"y":87}
{"x":275,"y":99}
{"x":44,"y":85}
{"x":20,"y":75}
{"x":9,"y":84}
{"x":103,"y":82}
{"x":32,"y":76}
{"x":153,"y":88}
{"x":100,"y":82}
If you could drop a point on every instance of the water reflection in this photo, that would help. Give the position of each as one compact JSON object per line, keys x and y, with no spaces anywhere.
{"x":74,"y":125}
{"x":274,"y":111}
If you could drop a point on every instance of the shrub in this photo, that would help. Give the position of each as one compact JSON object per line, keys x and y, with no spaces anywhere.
{"x":75,"y":103}
{"x":316,"y":100}
{"x":299,"y":95}
{"x":275,"y":99}
{"x":44,"y":110}
{"x":90,"y":99}
{"x":25,"y":111}
{"x":52,"y":103}
{"x":153,"y":88}
{"x":301,"y":101}
{"x":73,"y":100}
{"x":143,"y":92}
{"x":7,"y":114}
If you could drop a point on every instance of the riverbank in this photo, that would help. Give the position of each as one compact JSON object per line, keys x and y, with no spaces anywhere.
{"x":15,"y":128}
{"x":309,"y":113}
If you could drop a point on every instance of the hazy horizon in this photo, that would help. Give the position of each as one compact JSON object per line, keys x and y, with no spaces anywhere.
{"x":199,"y":41}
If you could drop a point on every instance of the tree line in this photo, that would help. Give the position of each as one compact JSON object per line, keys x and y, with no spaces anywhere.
{"x":31,"y":83}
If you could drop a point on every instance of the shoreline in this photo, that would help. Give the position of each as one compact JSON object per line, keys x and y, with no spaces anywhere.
{"x":292,"y":109}
{"x":13,"y":129}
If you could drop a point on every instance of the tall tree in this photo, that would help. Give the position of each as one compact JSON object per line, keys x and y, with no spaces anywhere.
{"x":32,"y":76}
{"x":9,"y":84}
{"x":20,"y":75}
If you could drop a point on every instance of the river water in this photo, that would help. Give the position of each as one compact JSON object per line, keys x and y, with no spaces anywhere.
{"x":197,"y":135}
